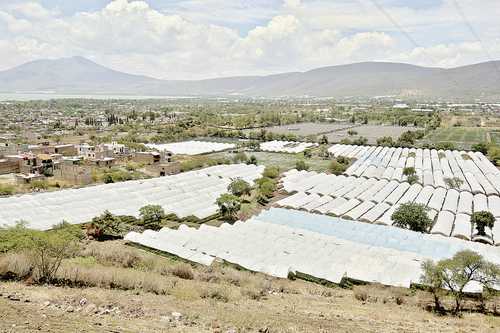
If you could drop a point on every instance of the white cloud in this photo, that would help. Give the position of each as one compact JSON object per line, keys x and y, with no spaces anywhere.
{"x":298,"y":35}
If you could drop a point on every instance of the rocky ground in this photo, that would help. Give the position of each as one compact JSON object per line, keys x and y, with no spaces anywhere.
{"x":54,"y":309}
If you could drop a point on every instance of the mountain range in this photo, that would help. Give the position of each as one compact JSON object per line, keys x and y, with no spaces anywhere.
{"x":79,"y":75}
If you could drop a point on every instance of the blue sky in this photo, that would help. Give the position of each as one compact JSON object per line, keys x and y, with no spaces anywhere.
{"x":192,"y":39}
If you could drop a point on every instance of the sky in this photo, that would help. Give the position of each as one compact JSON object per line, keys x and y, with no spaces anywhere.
{"x":196,"y":39}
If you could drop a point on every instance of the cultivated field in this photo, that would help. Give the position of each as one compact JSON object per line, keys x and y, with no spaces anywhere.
{"x":371,"y":132}
{"x":462,"y":137}
{"x":307,"y":128}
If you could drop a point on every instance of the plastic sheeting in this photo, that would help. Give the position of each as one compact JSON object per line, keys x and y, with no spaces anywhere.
{"x":191,"y":147}
{"x":187,"y":194}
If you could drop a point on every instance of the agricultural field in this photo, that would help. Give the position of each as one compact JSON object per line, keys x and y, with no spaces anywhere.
{"x":462,"y":137}
{"x":495,"y":137}
{"x":305,"y":129}
{"x":371,"y":132}
{"x":282,"y":160}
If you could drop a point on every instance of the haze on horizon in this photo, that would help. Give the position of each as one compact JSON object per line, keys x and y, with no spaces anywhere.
{"x":190,"y":39}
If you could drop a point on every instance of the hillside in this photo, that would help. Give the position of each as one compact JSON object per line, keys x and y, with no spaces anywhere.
{"x":79,"y":75}
{"x":130,"y":290}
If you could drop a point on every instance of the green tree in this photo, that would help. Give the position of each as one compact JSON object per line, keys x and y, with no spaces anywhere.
{"x":301,"y":165}
{"x":360,"y":141}
{"x":386,"y":141}
{"x":45,"y":250}
{"x":456,"y":273}
{"x":482,"y":220}
{"x":239,"y":187}
{"x":152,"y":216}
{"x":229,"y":205}
{"x":271,"y":172}
{"x":412,"y":216}
{"x":337,"y":168}
{"x":107,"y":226}
{"x":323,"y":140}
{"x":252,"y":160}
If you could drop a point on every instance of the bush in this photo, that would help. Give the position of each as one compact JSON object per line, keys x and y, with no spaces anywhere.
{"x":152,"y":216}
{"x":455,"y":273}
{"x":445,"y":146}
{"x":301,"y":165}
{"x":183,"y":271}
{"x":229,"y":205}
{"x":454,"y":182}
{"x":109,"y":226}
{"x":352,"y":133}
{"x":361,"y":141}
{"x":271,"y":172}
{"x":252,"y":160}
{"x":240,"y":157}
{"x":239,"y":187}
{"x":494,"y":155}
{"x":45,"y":251}
{"x":412,"y":216}
{"x":386,"y":141}
{"x":409,"y":171}
{"x":481,"y":221}
{"x":412,"y":179}
{"x":337,"y":168}
{"x":480,"y":147}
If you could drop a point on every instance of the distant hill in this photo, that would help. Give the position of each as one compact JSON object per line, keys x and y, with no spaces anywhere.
{"x":79,"y":75}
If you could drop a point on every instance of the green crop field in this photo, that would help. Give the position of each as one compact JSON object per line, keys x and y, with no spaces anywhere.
{"x":462,"y":137}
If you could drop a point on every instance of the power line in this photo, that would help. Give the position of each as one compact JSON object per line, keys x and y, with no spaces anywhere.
{"x":474,"y":33}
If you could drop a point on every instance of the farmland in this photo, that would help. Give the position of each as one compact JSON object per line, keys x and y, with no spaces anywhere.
{"x":462,"y":137}
{"x":304,"y":129}
{"x":371,"y":132}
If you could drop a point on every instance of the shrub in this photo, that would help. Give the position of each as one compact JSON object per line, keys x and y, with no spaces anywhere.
{"x":455,"y":273}
{"x":494,"y":155}
{"x":108,"y":226}
{"x":361,"y":141}
{"x":152,"y":216}
{"x":337,"y":168}
{"x":352,"y":133}
{"x":229,"y":205}
{"x":445,"y":146}
{"x":482,"y":220}
{"x":480,"y":147}
{"x":412,"y":216}
{"x":45,"y":251}
{"x":412,"y":179}
{"x":240,"y":157}
{"x":271,"y":172}
{"x":386,"y":141}
{"x":239,"y":187}
{"x":454,"y":182}
{"x":409,"y":171}
{"x":323,"y":140}
{"x":360,"y":294}
{"x":252,"y":160}
{"x":183,"y":271}
{"x":301,"y":165}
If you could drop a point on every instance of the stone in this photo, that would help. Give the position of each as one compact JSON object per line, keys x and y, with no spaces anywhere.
{"x":177,"y":315}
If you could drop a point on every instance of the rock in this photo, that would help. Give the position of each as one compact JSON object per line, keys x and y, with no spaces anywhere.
{"x":231,"y":330}
{"x":70,"y":309}
{"x":46,"y":303}
{"x":165,"y":319}
{"x":177,"y":315}
{"x":91,"y":308}
{"x":83,"y":301}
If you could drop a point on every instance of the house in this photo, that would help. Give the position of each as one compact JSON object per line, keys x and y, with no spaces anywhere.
{"x":86,"y":151}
